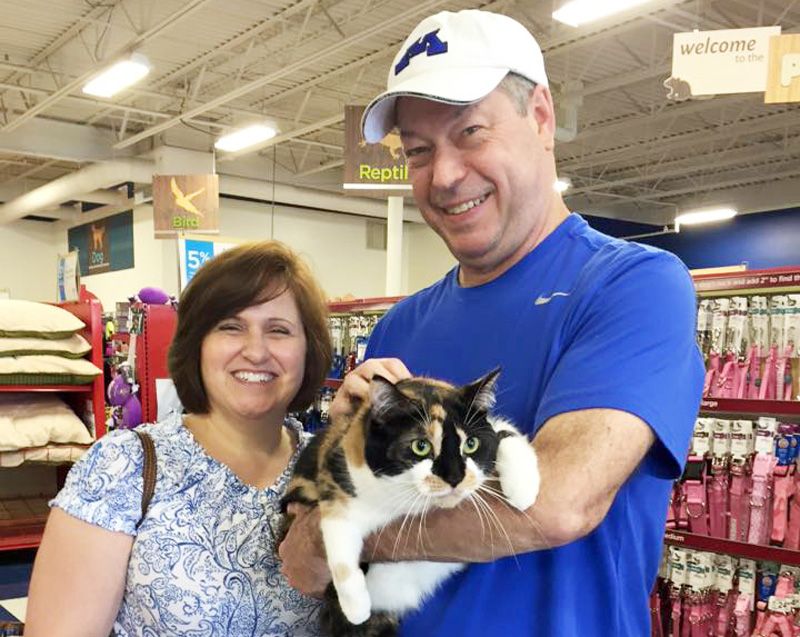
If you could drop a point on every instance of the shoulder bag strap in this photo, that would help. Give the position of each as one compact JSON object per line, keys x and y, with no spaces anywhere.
{"x":148,"y":472}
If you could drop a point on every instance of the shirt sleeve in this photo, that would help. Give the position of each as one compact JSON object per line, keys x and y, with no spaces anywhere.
{"x":630,"y":345}
{"x":105,"y":486}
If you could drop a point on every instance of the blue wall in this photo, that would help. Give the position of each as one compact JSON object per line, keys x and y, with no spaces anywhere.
{"x":763,"y":240}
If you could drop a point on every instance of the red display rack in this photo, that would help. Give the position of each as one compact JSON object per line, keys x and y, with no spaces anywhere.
{"x":22,"y":520}
{"x":152,"y":347}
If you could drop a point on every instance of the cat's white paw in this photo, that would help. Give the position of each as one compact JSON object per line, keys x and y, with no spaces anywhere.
{"x":518,"y":471}
{"x":521,"y":494}
{"x":356,"y":607}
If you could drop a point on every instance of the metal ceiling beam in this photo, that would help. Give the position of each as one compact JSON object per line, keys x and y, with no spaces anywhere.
{"x":283,"y":72}
{"x":629,"y":152}
{"x":166,"y":23}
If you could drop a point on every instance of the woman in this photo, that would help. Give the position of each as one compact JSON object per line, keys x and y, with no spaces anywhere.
{"x":251,"y":344}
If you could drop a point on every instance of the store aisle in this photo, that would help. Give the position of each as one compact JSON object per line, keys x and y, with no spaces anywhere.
{"x":15,"y":574}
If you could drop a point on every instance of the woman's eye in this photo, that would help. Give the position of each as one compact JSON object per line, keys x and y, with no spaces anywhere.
{"x":228,"y":327}
{"x":421,"y":447}
{"x":470,"y":445}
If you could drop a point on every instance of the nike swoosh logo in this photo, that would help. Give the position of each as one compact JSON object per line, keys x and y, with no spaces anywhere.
{"x":542,"y":300}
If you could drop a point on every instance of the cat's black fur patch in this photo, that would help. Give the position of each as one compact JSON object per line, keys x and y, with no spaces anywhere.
{"x":336,"y":463}
{"x":335,"y":623}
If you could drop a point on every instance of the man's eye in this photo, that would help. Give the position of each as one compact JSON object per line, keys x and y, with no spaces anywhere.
{"x":471,"y":130}
{"x":415,"y":152}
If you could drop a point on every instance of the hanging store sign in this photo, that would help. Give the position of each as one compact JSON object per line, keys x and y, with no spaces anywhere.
{"x":193,"y":252}
{"x":372,"y":169}
{"x":783,"y":80}
{"x":68,"y":281}
{"x":104,"y":245}
{"x":185,"y":203}
{"x":720,"y":62}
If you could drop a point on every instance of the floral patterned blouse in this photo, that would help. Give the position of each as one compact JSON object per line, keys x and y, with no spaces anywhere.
{"x":203,"y":563}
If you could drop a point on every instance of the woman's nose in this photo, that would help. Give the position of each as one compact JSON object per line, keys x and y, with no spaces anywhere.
{"x":256,"y":347}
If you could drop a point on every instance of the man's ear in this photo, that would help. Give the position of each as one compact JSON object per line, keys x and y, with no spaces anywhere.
{"x":542,"y":110}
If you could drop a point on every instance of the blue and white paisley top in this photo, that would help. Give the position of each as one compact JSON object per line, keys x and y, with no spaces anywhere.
{"x":203,"y":563}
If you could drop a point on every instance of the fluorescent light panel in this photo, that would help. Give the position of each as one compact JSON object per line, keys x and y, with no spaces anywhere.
{"x":704,"y":216}
{"x":578,"y":12}
{"x":245,"y":137}
{"x":118,"y":76}
{"x":561,"y":185}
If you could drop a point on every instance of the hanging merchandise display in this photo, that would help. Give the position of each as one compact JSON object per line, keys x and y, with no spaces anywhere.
{"x":734,"y":515}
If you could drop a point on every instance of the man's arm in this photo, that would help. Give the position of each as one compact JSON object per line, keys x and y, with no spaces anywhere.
{"x":584,"y":457}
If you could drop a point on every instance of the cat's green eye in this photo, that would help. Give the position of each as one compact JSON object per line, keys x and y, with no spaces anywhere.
{"x":470,"y":445}
{"x":421,"y":447}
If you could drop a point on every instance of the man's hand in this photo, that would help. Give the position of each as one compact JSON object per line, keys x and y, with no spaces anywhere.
{"x":355,"y":387}
{"x":303,"y":553}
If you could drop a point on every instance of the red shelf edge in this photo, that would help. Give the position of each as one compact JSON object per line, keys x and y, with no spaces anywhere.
{"x":333,"y":383}
{"x":749,"y":406}
{"x":378,"y":302}
{"x":740,"y":549}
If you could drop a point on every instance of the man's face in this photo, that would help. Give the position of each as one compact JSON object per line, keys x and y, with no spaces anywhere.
{"x":483,"y":176}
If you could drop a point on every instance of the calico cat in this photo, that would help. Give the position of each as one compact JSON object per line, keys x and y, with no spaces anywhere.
{"x":411,"y":447}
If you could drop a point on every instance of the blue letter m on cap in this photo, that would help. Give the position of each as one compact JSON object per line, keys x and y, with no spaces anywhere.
{"x":429,"y":44}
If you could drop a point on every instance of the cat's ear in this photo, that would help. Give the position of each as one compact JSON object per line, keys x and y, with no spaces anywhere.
{"x":384,"y":397}
{"x":481,"y":393}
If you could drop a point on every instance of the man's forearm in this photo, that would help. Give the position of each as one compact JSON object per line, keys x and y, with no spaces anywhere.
{"x":584,"y":457}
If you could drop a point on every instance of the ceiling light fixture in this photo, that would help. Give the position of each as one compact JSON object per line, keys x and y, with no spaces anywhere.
{"x":245,"y":137}
{"x":578,"y":12}
{"x":703,"y":216}
{"x":118,"y":76}
{"x":562,"y":185}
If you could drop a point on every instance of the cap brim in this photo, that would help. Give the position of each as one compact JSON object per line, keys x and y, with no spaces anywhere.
{"x":450,"y":86}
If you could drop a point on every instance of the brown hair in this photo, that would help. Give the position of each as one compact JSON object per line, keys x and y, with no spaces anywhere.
{"x":239,"y":278}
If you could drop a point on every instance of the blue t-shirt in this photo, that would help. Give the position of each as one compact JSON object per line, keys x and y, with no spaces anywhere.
{"x":203,"y":562}
{"x":583,"y":321}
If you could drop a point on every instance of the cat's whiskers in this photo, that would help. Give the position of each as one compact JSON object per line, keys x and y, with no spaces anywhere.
{"x":408,"y":516}
{"x":471,"y":499}
{"x":497,"y":523}
{"x":500,"y":496}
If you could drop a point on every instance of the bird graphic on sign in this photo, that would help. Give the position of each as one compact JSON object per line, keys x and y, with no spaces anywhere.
{"x":185,"y":201}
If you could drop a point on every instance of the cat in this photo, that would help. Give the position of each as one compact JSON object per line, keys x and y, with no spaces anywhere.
{"x":411,"y":447}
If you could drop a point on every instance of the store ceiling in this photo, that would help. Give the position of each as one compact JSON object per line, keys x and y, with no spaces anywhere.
{"x":217,"y":63}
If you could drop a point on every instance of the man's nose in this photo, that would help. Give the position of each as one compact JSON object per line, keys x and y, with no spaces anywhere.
{"x":448,"y":169}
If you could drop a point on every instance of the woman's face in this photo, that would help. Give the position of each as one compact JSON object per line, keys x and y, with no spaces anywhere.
{"x":252,"y":364}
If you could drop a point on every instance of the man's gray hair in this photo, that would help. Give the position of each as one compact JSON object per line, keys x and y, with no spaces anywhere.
{"x":518,"y":88}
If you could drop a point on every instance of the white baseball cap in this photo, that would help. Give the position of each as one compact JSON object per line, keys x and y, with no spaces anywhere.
{"x":455,"y":58}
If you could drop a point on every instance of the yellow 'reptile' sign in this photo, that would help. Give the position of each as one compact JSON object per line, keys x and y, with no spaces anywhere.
{"x":783,"y":81}
{"x":185,"y":203}
{"x":372,"y":169}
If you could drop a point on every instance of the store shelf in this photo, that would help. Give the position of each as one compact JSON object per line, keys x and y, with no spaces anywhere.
{"x":754,"y":407}
{"x":48,"y":388}
{"x":364,"y":305}
{"x":333,"y":383}
{"x":688,"y":540}
{"x":755,"y":281}
{"x":22,"y":521}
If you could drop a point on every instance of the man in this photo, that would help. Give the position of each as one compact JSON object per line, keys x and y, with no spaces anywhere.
{"x":595,"y":338}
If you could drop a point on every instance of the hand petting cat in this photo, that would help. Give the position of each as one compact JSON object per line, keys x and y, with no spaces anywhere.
{"x":355,"y":387}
